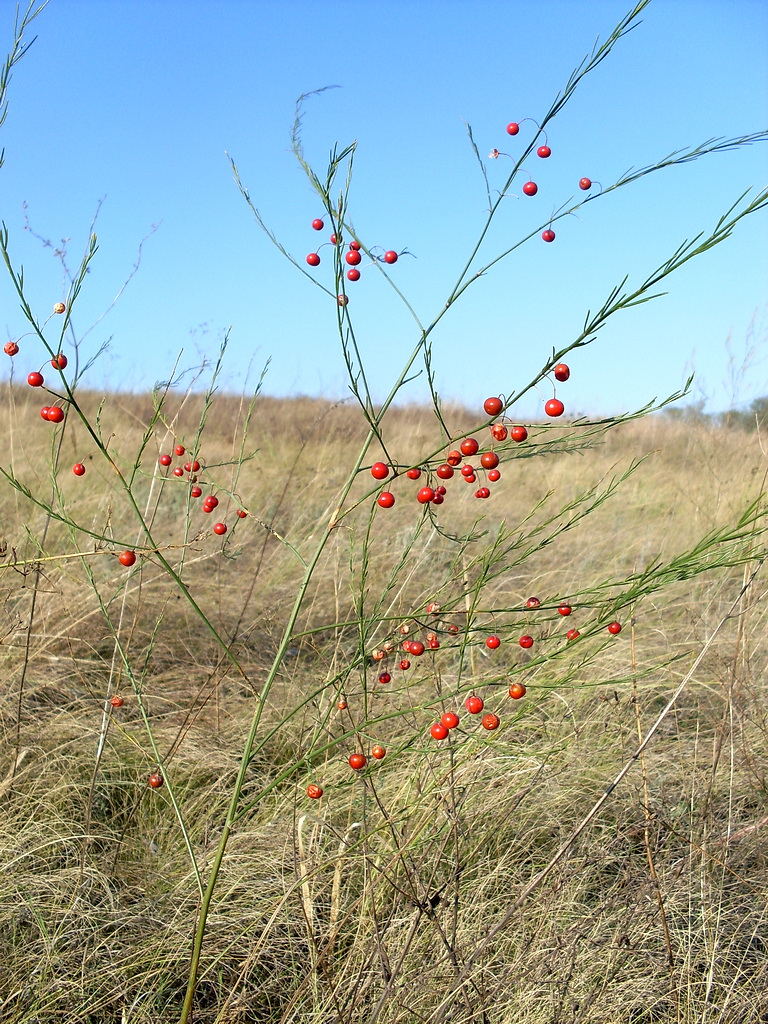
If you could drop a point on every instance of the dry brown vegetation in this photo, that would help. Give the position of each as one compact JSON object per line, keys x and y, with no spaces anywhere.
{"x":392,"y":899}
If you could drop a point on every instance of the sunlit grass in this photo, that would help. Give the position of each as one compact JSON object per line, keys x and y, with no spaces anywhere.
{"x":398,"y":875}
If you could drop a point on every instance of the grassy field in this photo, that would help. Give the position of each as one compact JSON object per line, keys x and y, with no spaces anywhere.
{"x":404,"y":894}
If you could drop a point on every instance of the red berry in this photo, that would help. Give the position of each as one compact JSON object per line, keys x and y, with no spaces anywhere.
{"x":127,"y":558}
{"x":379,"y":470}
{"x":11,"y":348}
{"x":493,"y":406}
{"x":317,"y":224}
{"x":55,"y":414}
{"x":192,"y":467}
{"x":385,"y":677}
{"x":561,"y":372}
{"x":544,"y":152}
{"x":614,"y":627}
{"x":492,"y":642}
{"x":584,"y":184}
{"x":353,"y":274}
{"x":35,"y":379}
{"x":450,"y":720}
{"x":179,"y":449}
{"x":165,"y":460}
{"x":59,"y":362}
{"x":530,"y":188}
{"x":386,"y":499}
{"x":518,"y":434}
{"x":425,"y":495}
{"x":178,"y":471}
{"x":554,"y":407}
{"x":220,"y":528}
{"x":78,"y":469}
{"x":494,"y":475}
{"x":353,"y":257}
{"x":156,"y":780}
{"x":314,"y":792}
{"x":516,"y":691}
{"x":526,"y":642}
{"x":489,"y":460}
{"x":439,"y":731}
{"x":357,"y":761}
{"x":241,"y":513}
{"x":490,"y":721}
{"x":354,"y":244}
{"x":342,"y":705}
{"x":453,"y":458}
{"x":564,"y":609}
{"x":533,"y":602}
{"x":414,"y":473}
{"x":572,"y":634}
{"x":378,"y":752}
{"x":405,"y":665}
{"x":416,"y":647}
{"x":474,"y":705}
{"x":513,"y":128}
{"x":313,"y":259}
{"x":499,"y":432}
{"x":116,"y":701}
{"x":390,"y":256}
{"x":445,"y":472}
{"x":548,"y":235}
{"x":196,"y":492}
{"x":334,"y":240}
{"x":44,"y":412}
{"x":211,"y":500}
{"x":469,"y":446}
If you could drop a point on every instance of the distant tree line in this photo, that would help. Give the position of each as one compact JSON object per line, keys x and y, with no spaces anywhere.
{"x":753,"y":418}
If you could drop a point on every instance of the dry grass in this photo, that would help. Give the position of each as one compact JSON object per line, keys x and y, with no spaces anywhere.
{"x":376,"y":903}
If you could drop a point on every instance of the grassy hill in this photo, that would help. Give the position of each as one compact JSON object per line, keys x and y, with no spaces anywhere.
{"x":412,"y":890}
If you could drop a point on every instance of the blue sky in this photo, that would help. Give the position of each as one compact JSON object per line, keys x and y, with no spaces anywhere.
{"x":129,"y":108}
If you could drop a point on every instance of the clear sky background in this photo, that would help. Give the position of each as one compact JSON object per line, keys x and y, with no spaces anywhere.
{"x":128,"y":107}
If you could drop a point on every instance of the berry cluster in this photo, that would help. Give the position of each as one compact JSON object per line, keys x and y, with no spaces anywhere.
{"x":189,"y":471}
{"x":353,"y":256}
{"x":530,"y":188}
{"x":434,"y":491}
{"x":416,"y":638}
{"x":35,"y":379}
